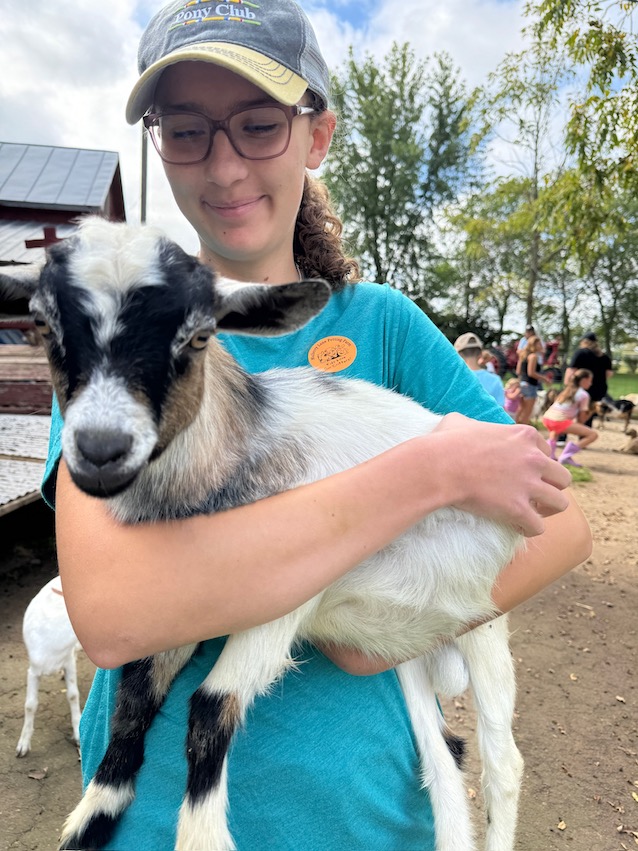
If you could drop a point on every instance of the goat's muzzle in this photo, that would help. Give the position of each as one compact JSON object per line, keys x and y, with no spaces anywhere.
{"x":102,"y":463}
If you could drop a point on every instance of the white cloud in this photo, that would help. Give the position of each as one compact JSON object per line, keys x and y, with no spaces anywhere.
{"x":476,"y":33}
{"x":68,"y":68}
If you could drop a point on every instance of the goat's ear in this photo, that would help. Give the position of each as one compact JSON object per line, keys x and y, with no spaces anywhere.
{"x":268,"y":310}
{"x":19,"y":281}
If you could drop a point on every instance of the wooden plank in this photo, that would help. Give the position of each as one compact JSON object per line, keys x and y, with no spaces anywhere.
{"x":25,"y":380}
{"x":25,"y":371}
{"x":20,"y":323}
{"x":10,"y":352}
{"x":25,"y":398}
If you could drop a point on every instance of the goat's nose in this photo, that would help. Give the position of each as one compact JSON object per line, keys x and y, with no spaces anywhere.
{"x":101,"y":447}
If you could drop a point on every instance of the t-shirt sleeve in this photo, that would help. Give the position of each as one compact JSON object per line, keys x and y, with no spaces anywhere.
{"x":583,"y":398}
{"x":53,"y":457}
{"x":424,"y":365}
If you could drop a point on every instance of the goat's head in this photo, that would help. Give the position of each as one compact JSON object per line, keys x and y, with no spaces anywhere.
{"x":126,"y":317}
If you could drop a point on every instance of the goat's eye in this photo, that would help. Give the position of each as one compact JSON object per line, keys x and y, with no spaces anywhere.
{"x":200,"y":340}
{"x":42,"y":325}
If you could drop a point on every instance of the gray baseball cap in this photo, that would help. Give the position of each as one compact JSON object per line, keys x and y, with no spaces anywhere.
{"x":467,"y":341}
{"x":269,"y":42}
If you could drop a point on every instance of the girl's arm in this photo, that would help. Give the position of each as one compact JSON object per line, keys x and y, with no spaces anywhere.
{"x":135,"y":590}
{"x":532,"y":363}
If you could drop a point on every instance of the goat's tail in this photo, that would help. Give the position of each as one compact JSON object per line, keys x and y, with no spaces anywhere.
{"x":141,"y":693}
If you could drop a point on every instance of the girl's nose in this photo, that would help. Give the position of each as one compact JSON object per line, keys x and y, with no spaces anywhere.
{"x":223,"y":164}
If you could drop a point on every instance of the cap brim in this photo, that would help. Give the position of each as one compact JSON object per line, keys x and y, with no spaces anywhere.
{"x":279,"y":82}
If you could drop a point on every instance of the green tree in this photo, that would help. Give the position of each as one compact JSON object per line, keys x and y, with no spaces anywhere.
{"x":403,"y":148}
{"x":375,"y":163}
{"x":601,"y":42}
{"x":521,"y":110}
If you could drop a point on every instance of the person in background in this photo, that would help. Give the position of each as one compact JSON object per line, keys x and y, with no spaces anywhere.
{"x":486,"y":361}
{"x":530,"y":377}
{"x":238,"y":109}
{"x":522,"y":343}
{"x":590,"y":356}
{"x":470,"y":348}
{"x":529,"y":332}
{"x":568,"y":414}
{"x":513,"y":397}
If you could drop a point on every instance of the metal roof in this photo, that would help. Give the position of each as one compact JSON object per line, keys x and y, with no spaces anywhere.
{"x":42,"y":176}
{"x":14,"y":234}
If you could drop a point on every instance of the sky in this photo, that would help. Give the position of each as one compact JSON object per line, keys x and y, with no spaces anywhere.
{"x":68,"y":67}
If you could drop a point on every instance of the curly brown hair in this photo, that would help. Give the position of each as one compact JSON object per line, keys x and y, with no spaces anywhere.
{"x":317,"y":246}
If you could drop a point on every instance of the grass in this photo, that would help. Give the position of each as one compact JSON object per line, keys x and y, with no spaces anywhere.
{"x":581,"y":474}
{"x":620,"y":385}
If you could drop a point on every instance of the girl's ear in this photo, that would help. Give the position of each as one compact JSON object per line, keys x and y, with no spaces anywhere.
{"x":322,"y":130}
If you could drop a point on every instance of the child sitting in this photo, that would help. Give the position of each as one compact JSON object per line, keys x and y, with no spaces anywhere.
{"x":568,"y":414}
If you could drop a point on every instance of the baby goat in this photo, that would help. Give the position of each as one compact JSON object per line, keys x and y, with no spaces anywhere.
{"x":52,"y":647}
{"x":163,"y":423}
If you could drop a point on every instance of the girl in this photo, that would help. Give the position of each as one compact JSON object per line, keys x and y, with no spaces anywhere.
{"x":568,"y":415}
{"x":513,"y":397}
{"x":528,"y":371}
{"x":238,"y":111}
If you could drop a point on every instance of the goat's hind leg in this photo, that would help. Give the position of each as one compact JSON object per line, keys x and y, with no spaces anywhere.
{"x":142,"y":690}
{"x":441,"y":774}
{"x":73,"y":694}
{"x":248,"y":666}
{"x":491,"y":669}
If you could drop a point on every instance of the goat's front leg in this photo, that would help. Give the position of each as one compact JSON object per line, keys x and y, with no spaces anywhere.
{"x":142,"y":690}
{"x":30,"y":708}
{"x":248,"y":666}
{"x":492,"y":678}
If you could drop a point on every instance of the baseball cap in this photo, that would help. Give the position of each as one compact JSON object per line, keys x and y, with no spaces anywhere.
{"x":468,"y":341}
{"x":269,"y":42}
{"x":591,"y":337}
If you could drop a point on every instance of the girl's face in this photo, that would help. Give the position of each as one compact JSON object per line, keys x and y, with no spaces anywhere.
{"x":244,"y":211}
{"x":586,"y":383}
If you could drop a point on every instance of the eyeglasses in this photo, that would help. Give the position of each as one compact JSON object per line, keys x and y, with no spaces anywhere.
{"x":256,"y":133}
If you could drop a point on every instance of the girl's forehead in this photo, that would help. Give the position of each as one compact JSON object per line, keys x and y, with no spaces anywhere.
{"x":205,"y":87}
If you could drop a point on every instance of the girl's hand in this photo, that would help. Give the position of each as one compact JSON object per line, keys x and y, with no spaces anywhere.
{"x":499,"y":471}
{"x":503,"y":472}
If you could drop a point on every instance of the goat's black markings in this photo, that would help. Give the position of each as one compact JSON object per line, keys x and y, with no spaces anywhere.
{"x":212,"y":722}
{"x":136,"y":706}
{"x":456,"y":747}
{"x":95,"y":836}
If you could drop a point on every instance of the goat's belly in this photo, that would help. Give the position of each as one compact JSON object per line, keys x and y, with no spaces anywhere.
{"x":377,"y":628}
{"x":426,"y":585}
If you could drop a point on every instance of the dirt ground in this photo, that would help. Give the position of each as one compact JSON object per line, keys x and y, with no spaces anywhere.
{"x":575,"y":646}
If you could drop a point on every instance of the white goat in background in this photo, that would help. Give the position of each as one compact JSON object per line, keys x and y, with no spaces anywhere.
{"x":176,"y":428}
{"x":52,"y":647}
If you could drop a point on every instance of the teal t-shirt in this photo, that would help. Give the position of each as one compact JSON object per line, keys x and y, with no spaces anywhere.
{"x":327,"y":761}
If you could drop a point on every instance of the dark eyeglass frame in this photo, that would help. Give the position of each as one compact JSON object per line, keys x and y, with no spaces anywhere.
{"x":151,"y":123}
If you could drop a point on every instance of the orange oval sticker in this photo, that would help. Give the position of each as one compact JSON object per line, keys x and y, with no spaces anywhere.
{"x":332,"y":354}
